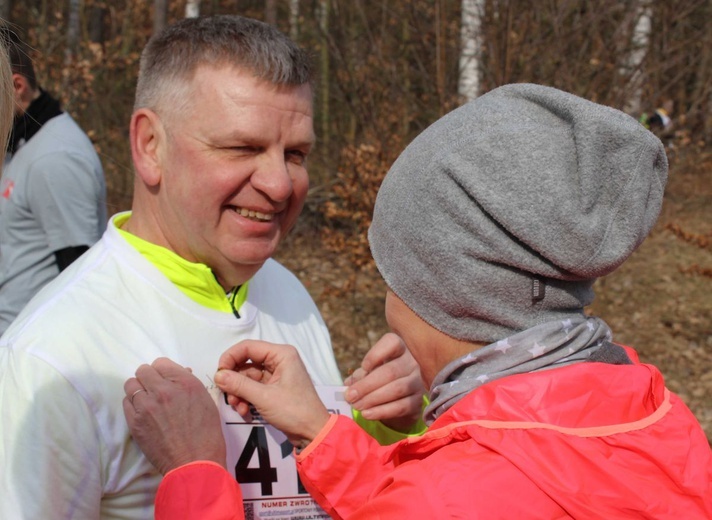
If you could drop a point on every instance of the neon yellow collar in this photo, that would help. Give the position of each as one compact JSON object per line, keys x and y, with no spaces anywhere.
{"x":195,"y":280}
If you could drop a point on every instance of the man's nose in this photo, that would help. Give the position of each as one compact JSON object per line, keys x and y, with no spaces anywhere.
{"x":272,"y":178}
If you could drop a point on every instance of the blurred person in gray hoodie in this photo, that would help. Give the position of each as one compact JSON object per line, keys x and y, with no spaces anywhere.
{"x":53,"y":203}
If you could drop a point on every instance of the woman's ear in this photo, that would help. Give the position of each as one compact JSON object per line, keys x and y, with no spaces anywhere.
{"x":148,"y":142}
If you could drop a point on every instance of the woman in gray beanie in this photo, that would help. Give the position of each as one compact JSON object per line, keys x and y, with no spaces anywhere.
{"x":489,"y":231}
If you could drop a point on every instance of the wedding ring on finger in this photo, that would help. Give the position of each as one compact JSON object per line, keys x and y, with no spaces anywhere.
{"x":134,"y":394}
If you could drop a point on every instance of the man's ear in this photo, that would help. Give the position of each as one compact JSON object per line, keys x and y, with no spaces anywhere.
{"x":23,"y":92}
{"x":148,"y":144}
{"x":19,"y":83}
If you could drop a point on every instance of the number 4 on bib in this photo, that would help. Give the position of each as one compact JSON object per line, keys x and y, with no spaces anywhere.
{"x":265,"y":474}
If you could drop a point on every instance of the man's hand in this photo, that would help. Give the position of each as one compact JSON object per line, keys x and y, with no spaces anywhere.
{"x":274,"y":380}
{"x":172,"y":416}
{"x":387,"y":386}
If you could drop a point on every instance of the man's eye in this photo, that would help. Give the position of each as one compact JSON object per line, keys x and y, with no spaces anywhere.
{"x":296,"y":156}
{"x":244,"y":149}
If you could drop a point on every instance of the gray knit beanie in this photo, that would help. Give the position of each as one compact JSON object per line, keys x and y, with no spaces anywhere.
{"x":501,"y":215}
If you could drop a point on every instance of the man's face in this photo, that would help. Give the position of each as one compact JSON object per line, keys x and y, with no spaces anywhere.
{"x":233,"y":171}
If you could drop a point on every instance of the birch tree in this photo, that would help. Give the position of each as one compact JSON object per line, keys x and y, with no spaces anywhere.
{"x":640,"y":43}
{"x":192,"y":8}
{"x":468,"y":86}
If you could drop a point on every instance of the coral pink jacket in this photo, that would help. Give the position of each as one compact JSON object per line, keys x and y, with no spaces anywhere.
{"x":590,"y":440}
{"x":200,"y":490}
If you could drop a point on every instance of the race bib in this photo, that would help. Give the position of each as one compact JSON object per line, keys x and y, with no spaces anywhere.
{"x":261,"y":459}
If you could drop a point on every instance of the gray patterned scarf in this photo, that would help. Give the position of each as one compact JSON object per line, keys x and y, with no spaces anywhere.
{"x":549,"y":345}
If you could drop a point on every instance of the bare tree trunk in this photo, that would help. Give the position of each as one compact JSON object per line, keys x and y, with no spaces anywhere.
{"x":470,"y":49}
{"x":97,"y":19}
{"x":71,"y":48}
{"x":439,"y":55}
{"x":405,"y":71}
{"x":72,"y":29}
{"x":294,"y":19}
{"x":160,"y":15}
{"x":701,"y":109}
{"x":271,"y":12}
{"x":325,"y":72}
{"x":5,"y":9}
{"x":708,"y":118}
{"x":127,"y":36}
{"x":192,"y":8}
{"x":639,"y":49}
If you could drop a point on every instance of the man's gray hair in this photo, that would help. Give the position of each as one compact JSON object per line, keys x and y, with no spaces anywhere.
{"x":173,"y":55}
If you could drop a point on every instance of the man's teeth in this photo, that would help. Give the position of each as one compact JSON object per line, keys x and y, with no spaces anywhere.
{"x":254,"y":214}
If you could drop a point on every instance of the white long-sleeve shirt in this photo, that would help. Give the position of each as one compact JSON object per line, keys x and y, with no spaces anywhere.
{"x":65,"y":449}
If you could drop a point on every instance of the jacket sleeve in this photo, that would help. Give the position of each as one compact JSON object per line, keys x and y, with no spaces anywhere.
{"x":342,"y":467}
{"x":200,"y":489}
{"x":50,"y":447}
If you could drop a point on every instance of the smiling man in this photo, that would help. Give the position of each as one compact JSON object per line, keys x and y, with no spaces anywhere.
{"x":220,"y":135}
{"x":252,"y":178}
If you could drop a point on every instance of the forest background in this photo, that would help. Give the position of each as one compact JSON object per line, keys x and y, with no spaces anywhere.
{"x":385,"y":71}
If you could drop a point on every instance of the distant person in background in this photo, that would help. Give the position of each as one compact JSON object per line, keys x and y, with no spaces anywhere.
{"x":660,"y":121}
{"x":53,"y":193}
